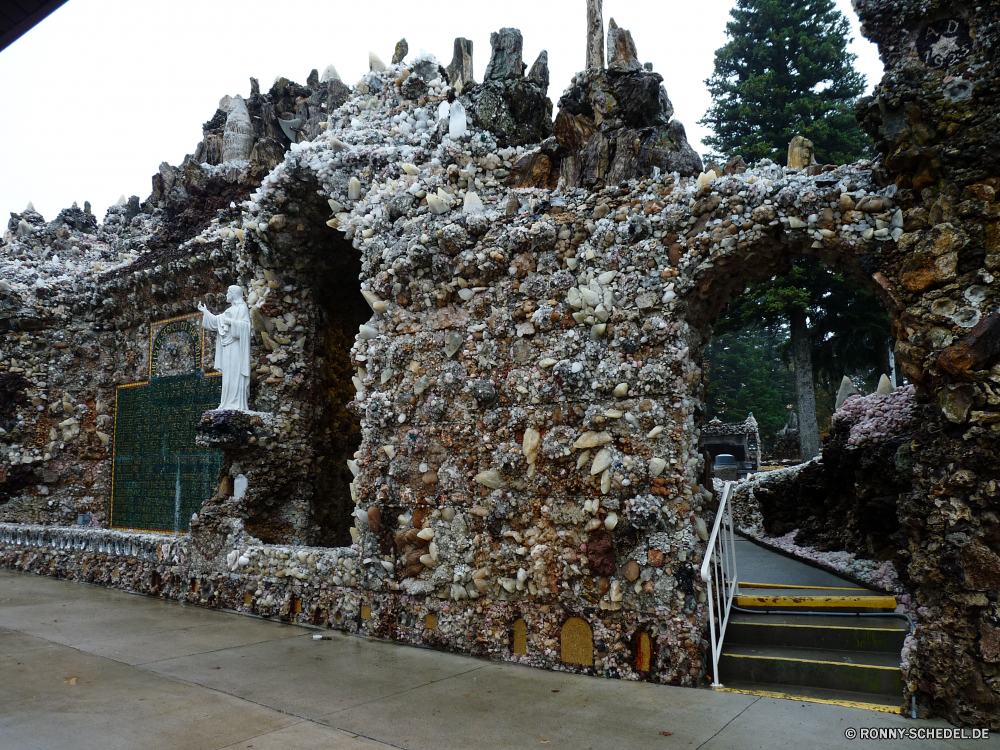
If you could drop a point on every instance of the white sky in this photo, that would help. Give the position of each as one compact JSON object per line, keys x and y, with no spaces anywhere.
{"x":102,"y":91}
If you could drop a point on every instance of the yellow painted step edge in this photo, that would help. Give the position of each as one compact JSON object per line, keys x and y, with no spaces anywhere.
{"x":826,"y":701}
{"x":821,"y":627}
{"x":811,"y":661}
{"x":861,"y":602}
{"x":793,"y":586}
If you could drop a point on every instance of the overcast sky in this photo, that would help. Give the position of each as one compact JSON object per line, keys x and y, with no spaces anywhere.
{"x":102,"y":91}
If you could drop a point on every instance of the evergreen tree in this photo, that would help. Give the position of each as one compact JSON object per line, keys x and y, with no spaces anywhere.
{"x":746,"y":374}
{"x":785,"y":71}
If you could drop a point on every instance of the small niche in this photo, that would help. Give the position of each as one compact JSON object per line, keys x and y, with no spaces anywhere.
{"x":643,"y":651}
{"x":520,"y":641}
{"x":366,"y":612}
{"x":430,"y":622}
{"x":577,"y":643}
{"x":248,"y":598}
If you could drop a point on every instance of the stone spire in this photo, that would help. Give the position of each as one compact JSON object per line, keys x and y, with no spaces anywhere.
{"x":237,"y":139}
{"x":595,"y":35}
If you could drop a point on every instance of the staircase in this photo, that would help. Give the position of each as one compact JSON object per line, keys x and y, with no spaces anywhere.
{"x":775,"y":651}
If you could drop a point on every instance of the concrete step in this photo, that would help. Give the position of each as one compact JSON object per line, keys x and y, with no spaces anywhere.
{"x":849,"y":699}
{"x":870,"y":672}
{"x":882,"y":634}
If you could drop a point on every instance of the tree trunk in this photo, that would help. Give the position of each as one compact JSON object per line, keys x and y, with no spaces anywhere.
{"x":804,"y":389}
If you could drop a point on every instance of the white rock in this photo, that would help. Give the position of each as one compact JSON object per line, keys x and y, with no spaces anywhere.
{"x":656,"y":466}
{"x":329,"y":74}
{"x":611,"y":521}
{"x":436,"y":205}
{"x":473,"y":204}
{"x":704,"y":178}
{"x":375,"y":62}
{"x":621,"y":390}
{"x":456,"y":121}
{"x":354,"y":189}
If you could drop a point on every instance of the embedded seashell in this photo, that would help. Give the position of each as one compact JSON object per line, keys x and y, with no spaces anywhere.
{"x":375,"y":302}
{"x":601,"y":461}
{"x":490,"y":478}
{"x":606,"y":485}
{"x":529,"y":445}
{"x":592,"y":440}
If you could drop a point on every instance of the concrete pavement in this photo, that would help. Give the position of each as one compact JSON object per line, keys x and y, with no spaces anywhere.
{"x":86,"y":667}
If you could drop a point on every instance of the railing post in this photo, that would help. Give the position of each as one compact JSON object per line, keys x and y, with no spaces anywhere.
{"x":720,"y":564}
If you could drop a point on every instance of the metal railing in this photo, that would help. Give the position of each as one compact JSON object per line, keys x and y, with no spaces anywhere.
{"x":718,"y":571}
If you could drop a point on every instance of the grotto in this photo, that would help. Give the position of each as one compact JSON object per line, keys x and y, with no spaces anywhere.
{"x":476,"y":387}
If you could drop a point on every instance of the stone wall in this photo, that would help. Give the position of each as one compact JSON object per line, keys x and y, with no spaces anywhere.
{"x":524,"y":386}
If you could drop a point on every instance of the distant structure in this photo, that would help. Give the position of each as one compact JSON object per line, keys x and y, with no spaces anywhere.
{"x":739,"y":439}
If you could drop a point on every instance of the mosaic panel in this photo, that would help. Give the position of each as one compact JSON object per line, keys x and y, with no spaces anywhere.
{"x":160,"y":476}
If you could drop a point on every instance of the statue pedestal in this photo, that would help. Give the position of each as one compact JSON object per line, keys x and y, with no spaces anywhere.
{"x":230,"y":430}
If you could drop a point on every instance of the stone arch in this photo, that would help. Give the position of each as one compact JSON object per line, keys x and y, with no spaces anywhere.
{"x":577,"y":642}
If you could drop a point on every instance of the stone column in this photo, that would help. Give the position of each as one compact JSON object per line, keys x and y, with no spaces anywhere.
{"x":933,"y":118}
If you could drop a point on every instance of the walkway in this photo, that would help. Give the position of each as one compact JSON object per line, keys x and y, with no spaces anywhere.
{"x":90,"y":668}
{"x":755,"y":564}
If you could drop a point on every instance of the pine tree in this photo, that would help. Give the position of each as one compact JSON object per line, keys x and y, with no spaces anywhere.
{"x":785,"y":71}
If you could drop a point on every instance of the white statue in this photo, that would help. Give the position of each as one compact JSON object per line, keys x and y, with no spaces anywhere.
{"x":232,"y":348}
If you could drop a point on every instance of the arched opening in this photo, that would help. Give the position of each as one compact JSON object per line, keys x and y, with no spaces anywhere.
{"x":314,"y":308}
{"x":779,"y":353}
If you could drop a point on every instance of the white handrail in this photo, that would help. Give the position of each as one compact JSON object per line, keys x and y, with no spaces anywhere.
{"x":718,"y":571}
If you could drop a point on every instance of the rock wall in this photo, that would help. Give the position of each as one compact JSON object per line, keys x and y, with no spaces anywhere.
{"x":524,"y":386}
{"x":846,"y":498}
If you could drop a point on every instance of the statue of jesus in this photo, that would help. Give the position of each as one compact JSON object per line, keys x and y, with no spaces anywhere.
{"x":232,"y":348}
